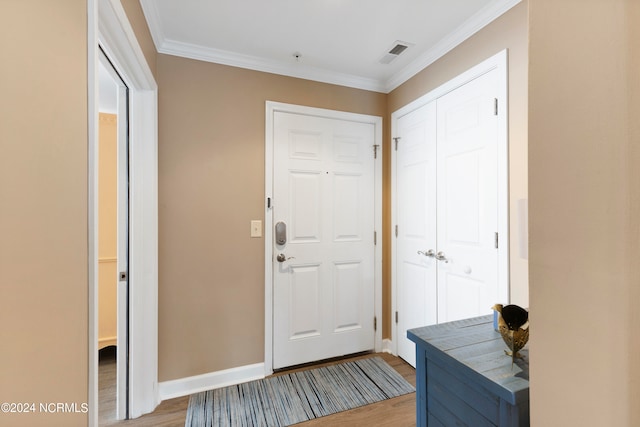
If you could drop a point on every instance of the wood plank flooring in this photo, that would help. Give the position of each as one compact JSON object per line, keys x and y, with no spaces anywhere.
{"x":396,"y":412}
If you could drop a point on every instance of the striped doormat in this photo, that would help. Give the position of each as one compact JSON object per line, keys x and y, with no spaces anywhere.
{"x":288,"y":399}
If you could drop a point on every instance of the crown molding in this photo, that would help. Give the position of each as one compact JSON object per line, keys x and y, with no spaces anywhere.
{"x":471,"y":26}
{"x":152,"y":16}
{"x":302,"y":71}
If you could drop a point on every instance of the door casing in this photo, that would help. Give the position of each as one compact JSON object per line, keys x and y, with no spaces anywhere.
{"x":271,"y":109}
{"x":108,"y":28}
{"x":497,"y":62}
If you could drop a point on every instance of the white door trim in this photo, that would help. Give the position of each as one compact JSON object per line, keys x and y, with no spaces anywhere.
{"x":497,"y":62}
{"x":271,"y":109}
{"x":109,"y":28}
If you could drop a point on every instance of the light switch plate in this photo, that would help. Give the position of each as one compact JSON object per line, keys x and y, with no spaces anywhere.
{"x":256,"y":228}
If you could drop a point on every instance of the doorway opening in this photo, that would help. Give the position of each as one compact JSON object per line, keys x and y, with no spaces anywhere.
{"x":113,"y":243}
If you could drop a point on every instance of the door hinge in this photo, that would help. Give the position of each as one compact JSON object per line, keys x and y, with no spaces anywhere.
{"x":375,"y":238}
{"x":496,"y":240}
{"x":375,"y":151}
{"x":495,"y":106}
{"x":375,"y":323}
{"x":396,"y":230}
{"x":396,"y":139}
{"x":396,"y":317}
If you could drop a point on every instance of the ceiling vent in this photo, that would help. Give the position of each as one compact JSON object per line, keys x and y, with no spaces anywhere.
{"x":396,"y":49}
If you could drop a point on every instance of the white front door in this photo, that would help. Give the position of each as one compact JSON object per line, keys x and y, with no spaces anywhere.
{"x":467,"y":201}
{"x":415,"y":192}
{"x":323,"y":270}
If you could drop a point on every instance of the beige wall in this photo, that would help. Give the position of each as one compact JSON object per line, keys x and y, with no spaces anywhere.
{"x":507,"y":32}
{"x":43,"y":219}
{"x":107,"y":230}
{"x":211,"y":185}
{"x":583,"y":212}
{"x":633,"y":96}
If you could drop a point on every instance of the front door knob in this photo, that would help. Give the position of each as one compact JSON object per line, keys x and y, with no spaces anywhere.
{"x":283,"y":258}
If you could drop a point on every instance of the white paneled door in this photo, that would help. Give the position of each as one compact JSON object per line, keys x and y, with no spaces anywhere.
{"x":467,"y":200}
{"x":446,"y":254}
{"x":415,"y":189}
{"x":323,"y":248}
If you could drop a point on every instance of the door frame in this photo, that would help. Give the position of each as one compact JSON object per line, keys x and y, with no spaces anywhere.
{"x":271,"y":108}
{"x":497,"y":62}
{"x":108,"y":28}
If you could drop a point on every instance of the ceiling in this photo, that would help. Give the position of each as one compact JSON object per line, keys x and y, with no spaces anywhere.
{"x":332,"y":41}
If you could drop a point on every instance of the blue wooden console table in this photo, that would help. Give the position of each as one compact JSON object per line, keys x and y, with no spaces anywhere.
{"x":464,"y":378}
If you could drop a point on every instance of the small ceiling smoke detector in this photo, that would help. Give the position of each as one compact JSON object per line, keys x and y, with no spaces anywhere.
{"x":394,"y":51}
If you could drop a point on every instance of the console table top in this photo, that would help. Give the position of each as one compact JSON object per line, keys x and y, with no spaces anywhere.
{"x":475,"y":344}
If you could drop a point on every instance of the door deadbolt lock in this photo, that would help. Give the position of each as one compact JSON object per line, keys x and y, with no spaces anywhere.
{"x":281,"y":233}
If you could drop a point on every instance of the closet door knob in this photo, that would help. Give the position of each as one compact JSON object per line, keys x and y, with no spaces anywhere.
{"x":441,"y":257}
{"x":430,"y":253}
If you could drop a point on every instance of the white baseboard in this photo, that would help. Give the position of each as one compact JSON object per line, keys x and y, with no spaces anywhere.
{"x":387,"y":346}
{"x":190,"y":385}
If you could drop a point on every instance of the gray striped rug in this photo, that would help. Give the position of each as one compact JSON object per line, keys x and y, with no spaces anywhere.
{"x":301,"y":396}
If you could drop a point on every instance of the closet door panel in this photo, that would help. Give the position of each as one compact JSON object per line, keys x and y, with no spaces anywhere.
{"x":467,"y":209}
{"x":415,"y":192}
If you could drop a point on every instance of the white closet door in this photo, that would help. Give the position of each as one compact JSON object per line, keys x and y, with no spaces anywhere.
{"x":467,"y":219}
{"x":415,"y":204}
{"x":446,"y":209}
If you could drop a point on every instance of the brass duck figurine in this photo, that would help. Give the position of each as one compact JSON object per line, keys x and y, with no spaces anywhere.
{"x":513,"y":324}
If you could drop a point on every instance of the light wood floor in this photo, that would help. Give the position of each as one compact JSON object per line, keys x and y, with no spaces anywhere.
{"x":396,"y":412}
